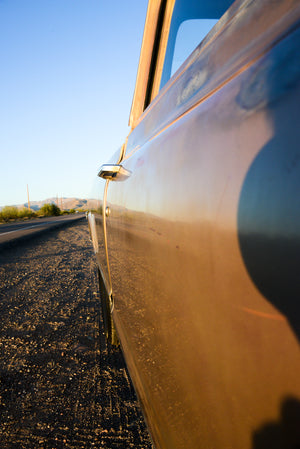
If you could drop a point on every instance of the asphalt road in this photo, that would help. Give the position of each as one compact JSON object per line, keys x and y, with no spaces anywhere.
{"x":12,"y":232}
{"x":61,"y":385}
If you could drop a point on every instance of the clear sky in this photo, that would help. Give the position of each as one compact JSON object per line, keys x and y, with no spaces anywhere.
{"x":68,"y":70}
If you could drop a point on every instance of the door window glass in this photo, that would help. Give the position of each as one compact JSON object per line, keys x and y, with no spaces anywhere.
{"x":189,"y":34}
{"x":191,"y":21}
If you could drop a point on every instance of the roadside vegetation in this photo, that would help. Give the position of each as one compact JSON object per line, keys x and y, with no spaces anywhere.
{"x":13,"y":213}
{"x":47,"y":210}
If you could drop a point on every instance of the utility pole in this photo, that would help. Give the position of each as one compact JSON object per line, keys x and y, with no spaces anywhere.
{"x":28,"y":198}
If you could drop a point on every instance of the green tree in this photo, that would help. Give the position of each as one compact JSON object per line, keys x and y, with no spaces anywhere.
{"x":49,"y":210}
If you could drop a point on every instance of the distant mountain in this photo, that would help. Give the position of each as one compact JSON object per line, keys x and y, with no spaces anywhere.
{"x":64,"y":203}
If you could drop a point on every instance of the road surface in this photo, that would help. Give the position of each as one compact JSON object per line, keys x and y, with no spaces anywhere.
{"x":12,"y":232}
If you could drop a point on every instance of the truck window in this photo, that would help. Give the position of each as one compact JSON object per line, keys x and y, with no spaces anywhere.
{"x":189,"y":34}
{"x":191,"y":22}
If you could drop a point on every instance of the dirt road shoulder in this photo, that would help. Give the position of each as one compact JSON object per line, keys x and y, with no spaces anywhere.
{"x":61,"y":386}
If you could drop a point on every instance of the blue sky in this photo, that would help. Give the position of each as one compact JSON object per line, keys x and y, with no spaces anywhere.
{"x":68,"y":70}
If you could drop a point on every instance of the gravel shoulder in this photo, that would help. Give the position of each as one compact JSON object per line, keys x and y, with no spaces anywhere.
{"x":61,"y":385}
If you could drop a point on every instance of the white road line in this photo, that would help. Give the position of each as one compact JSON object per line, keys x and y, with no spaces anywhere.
{"x":22,"y":229}
{"x":33,"y":226}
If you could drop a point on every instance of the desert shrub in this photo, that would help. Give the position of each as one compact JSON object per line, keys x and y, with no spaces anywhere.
{"x":49,"y":210}
{"x":8,"y":213}
{"x":22,"y":213}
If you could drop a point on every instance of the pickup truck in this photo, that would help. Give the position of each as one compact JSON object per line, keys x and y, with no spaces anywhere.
{"x":197,"y":239}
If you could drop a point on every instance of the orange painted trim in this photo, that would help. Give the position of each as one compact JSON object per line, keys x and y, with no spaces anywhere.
{"x":270,"y":316}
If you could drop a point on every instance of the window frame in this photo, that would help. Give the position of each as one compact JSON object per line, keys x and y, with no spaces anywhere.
{"x":153,"y":53}
{"x":154,"y":45}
